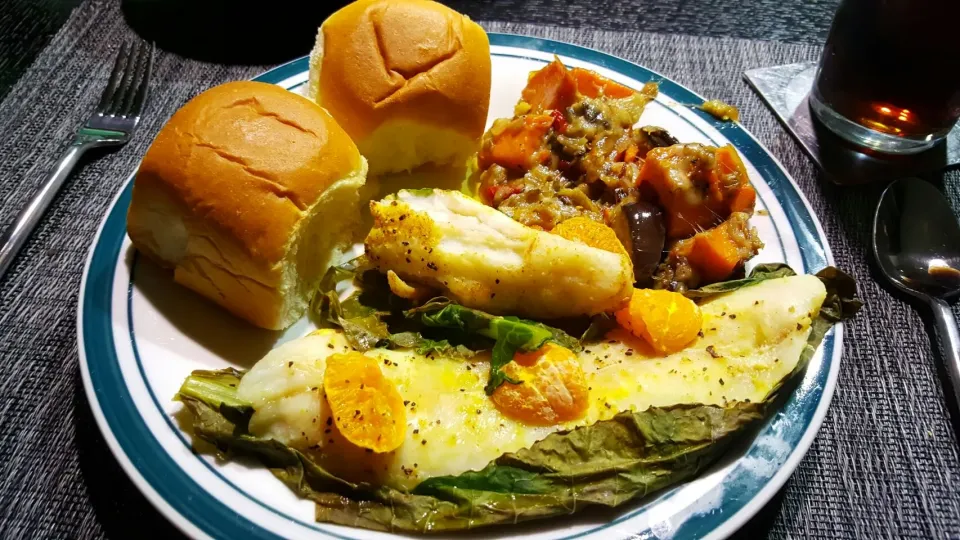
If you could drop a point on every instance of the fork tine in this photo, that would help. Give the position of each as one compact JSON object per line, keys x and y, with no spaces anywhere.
{"x":110,"y":90}
{"x":131,"y":88}
{"x":122,"y":92}
{"x":143,"y":86}
{"x":130,"y":92}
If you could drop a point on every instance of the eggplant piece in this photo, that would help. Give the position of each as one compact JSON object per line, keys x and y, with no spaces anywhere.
{"x":647,"y":233}
{"x":651,"y":137}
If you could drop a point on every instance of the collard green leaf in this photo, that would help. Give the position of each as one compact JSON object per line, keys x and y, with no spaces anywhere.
{"x":293,"y":467}
{"x":840,"y":304}
{"x":654,"y":448}
{"x":430,"y":347}
{"x":502,"y":354}
{"x":372,"y":316}
{"x":457,"y":317}
{"x":406,"y":340}
{"x":218,"y":390}
{"x":530,"y":335}
{"x":443,"y":347}
{"x":761,"y":272}
{"x":367,"y":316}
{"x":340,"y":273}
{"x":599,"y":326}
{"x":362,"y":324}
{"x":430,"y":306}
{"x":510,"y":334}
{"x":493,"y":478}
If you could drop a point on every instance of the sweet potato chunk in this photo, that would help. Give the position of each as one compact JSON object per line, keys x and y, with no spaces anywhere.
{"x":518,"y":144}
{"x":592,"y":85}
{"x":715,"y":254}
{"x":551,"y":88}
{"x":698,"y":186}
{"x":710,"y":256}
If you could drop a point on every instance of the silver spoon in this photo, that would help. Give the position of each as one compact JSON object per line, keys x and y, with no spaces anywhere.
{"x":916,"y":241}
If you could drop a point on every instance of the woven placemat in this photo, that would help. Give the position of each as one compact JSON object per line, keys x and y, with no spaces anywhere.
{"x":885,"y":463}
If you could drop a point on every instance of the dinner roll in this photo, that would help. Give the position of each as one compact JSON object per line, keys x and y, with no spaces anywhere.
{"x":248,"y":193}
{"x":409,"y":80}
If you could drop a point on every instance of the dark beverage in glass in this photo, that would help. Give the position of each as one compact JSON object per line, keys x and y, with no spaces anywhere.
{"x":889,"y":77}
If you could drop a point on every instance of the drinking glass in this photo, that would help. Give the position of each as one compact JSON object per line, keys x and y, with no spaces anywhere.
{"x":889,"y":77}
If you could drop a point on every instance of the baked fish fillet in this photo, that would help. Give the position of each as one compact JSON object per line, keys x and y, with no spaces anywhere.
{"x":484,"y":260}
{"x":738,"y":359}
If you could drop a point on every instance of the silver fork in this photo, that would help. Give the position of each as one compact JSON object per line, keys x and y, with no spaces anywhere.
{"x":111,"y":124}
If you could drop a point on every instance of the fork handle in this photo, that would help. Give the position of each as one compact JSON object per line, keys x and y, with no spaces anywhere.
{"x":949,"y":343}
{"x":17,"y":233}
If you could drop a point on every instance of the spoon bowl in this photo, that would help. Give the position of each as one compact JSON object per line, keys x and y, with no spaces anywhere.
{"x":916,"y":243}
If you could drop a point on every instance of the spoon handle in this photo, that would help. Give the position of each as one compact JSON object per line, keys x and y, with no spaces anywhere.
{"x":949,"y":342}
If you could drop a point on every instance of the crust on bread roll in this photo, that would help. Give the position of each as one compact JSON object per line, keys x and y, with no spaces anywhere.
{"x":248,"y":193}
{"x":409,"y":80}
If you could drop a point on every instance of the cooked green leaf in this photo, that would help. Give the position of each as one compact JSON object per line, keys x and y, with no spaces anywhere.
{"x":840,"y":304}
{"x":761,"y":272}
{"x":494,"y":478}
{"x":370,"y":313}
{"x":218,"y":390}
{"x":232,"y":439}
{"x":430,"y":306}
{"x":372,"y":316}
{"x":406,"y":340}
{"x":363,"y":326}
{"x":599,"y":326}
{"x":443,"y":347}
{"x":510,"y":334}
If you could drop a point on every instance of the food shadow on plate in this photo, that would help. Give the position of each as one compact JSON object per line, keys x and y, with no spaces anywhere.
{"x":194,"y":316}
{"x":451,"y":177}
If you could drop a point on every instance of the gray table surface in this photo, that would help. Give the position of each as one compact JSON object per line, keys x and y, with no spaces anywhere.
{"x":884,"y":465}
{"x":26,"y":26}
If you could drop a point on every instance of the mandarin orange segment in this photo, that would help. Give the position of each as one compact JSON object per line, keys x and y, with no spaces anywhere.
{"x":668,"y":321}
{"x":552,"y":389}
{"x":589,"y":232}
{"x":366,"y":406}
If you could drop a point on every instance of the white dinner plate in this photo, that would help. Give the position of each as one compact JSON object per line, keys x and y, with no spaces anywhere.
{"x":140,"y":335}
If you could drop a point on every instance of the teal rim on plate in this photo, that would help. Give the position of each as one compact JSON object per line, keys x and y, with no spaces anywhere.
{"x":193,"y":509}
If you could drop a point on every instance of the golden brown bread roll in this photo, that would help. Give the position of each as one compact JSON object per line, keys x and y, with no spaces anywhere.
{"x":247,"y":193}
{"x":409,"y":80}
